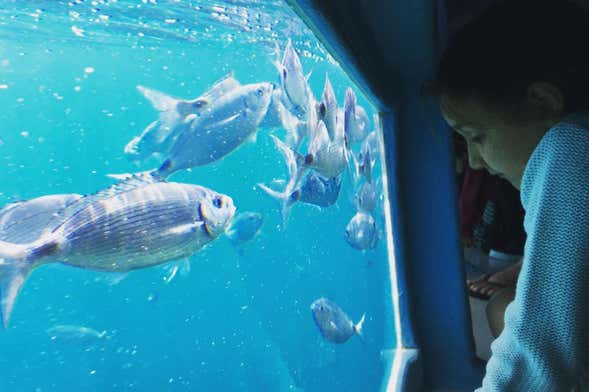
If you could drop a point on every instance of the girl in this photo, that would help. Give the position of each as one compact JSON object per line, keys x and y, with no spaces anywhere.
{"x":515,"y":83}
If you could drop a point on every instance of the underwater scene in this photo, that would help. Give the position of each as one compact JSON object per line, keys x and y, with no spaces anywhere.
{"x":191,"y":199}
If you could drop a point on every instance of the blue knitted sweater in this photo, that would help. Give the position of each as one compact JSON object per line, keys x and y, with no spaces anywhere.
{"x":544,"y":345}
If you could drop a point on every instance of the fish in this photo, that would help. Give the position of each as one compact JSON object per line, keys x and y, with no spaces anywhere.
{"x":233,"y":119}
{"x":176,"y":115}
{"x":24,"y":221}
{"x":333,"y":323}
{"x":328,"y":159}
{"x":318,"y":190}
{"x":367,"y":196}
{"x":79,"y":334}
{"x":275,"y":112}
{"x":296,"y":92}
{"x":366,"y":159}
{"x":361,"y":231}
{"x":356,"y":122}
{"x":327,"y":109}
{"x":137,"y":223}
{"x":244,"y":227}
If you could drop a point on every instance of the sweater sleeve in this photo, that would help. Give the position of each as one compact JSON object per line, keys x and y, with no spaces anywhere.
{"x":543,"y":345}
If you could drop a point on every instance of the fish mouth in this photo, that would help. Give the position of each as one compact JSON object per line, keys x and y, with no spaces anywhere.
{"x":201,"y":218}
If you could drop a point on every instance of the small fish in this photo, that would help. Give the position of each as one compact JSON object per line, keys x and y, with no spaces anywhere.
{"x":327,"y":109}
{"x":369,"y":152}
{"x":137,"y":223}
{"x":361,"y":231}
{"x":232,"y":120}
{"x":333,"y":322}
{"x":175,"y":116}
{"x":366,"y":198}
{"x":328,"y":157}
{"x":318,"y":190}
{"x":356,"y":121}
{"x":75,"y":334}
{"x":25,"y":221}
{"x":295,"y":88}
{"x":244,"y":227}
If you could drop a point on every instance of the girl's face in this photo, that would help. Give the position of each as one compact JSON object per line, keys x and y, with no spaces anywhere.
{"x":495,"y":142}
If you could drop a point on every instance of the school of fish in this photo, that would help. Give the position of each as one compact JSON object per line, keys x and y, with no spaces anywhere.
{"x":144,"y":220}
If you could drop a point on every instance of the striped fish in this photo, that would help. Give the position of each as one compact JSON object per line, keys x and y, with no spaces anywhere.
{"x":137,"y":223}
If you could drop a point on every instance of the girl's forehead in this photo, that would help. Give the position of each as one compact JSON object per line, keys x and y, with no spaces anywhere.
{"x":468,"y":115}
{"x":459,"y":115}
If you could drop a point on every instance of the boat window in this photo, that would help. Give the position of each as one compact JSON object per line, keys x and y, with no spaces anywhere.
{"x":192,"y":194}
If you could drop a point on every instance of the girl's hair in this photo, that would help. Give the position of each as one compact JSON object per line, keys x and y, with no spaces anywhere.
{"x":513,"y":43}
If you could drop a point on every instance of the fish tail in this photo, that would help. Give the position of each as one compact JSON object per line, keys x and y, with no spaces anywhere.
{"x":14,"y":270}
{"x":358,"y":327}
{"x":166,"y":105}
{"x":286,"y":200}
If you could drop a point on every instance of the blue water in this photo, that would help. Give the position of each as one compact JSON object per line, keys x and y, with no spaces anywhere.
{"x":239,"y":321}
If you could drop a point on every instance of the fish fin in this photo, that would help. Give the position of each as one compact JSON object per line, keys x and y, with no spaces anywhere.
{"x":125,"y":176}
{"x":161,"y":102}
{"x":171,"y":110}
{"x":126,"y":183}
{"x":308,"y":76}
{"x":172,"y":269}
{"x":319,"y":138}
{"x":26,"y":221}
{"x":14,"y":270}
{"x":184,"y":267}
{"x":291,"y":157}
{"x":114,"y":278}
{"x":358,"y":327}
{"x":185,"y":229}
{"x":283,"y":198}
{"x":296,"y":170}
{"x":189,"y":118}
{"x":221,"y":87}
{"x":253,"y":137}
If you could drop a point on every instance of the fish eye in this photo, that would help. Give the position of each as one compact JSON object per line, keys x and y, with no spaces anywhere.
{"x":218,"y":202}
{"x":322,"y":109}
{"x":198,"y":104}
{"x":260,"y":92}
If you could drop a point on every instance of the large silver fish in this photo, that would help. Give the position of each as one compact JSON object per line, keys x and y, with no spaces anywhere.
{"x":137,"y":223}
{"x":176,"y":115}
{"x":333,"y":322}
{"x":233,"y":119}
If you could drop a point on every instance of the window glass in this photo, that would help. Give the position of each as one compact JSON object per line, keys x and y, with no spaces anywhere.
{"x":133,"y":283}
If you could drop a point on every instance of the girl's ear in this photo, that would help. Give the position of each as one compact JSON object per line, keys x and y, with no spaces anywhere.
{"x":546,"y":97}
